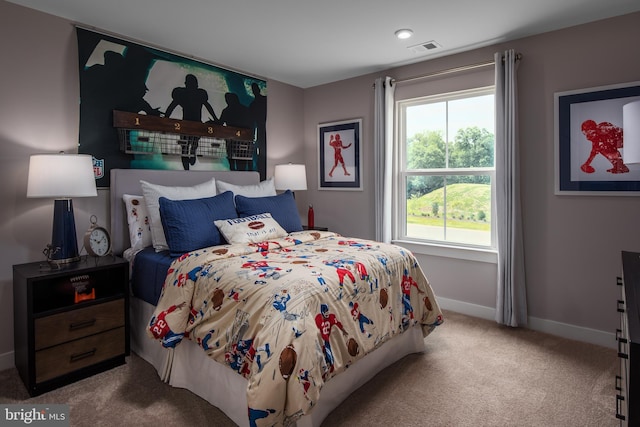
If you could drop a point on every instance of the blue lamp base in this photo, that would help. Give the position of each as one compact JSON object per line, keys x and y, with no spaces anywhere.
{"x":64,"y":243}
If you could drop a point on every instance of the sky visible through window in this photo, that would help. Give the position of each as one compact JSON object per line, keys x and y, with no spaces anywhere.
{"x":475,"y":111}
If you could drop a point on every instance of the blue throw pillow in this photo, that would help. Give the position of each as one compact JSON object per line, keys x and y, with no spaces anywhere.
{"x":189,"y":224}
{"x":281,"y":207}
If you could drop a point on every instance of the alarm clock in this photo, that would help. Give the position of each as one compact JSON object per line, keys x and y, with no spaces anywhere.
{"x":97,"y":241}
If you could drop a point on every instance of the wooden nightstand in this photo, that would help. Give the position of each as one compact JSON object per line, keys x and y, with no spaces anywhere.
{"x":58,"y":340}
{"x":306,"y":227}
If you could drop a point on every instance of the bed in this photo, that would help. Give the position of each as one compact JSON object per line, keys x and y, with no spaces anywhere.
{"x":335,"y":310}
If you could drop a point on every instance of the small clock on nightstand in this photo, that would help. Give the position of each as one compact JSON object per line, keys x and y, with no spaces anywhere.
{"x":97,"y":241}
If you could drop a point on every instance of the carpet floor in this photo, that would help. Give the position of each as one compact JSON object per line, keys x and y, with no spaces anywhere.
{"x":473,"y":373}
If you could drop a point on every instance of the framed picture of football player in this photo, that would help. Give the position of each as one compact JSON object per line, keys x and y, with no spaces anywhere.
{"x":339,"y":155}
{"x":597,"y":141}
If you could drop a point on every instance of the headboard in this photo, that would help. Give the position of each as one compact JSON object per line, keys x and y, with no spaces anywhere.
{"x":127,"y":181}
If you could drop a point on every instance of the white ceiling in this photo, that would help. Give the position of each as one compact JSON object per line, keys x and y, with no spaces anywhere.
{"x":307,"y":43}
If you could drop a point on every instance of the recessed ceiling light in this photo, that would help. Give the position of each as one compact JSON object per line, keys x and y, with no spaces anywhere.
{"x":404,"y":33}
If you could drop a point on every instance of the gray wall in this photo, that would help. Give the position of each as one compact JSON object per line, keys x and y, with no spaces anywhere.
{"x":39,"y":113}
{"x":572,"y":243}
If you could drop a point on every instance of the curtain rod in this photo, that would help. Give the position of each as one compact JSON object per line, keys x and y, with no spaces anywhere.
{"x":452,"y":70}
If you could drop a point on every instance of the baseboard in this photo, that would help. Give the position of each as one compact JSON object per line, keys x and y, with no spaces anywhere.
{"x":564,"y":330}
{"x":578,"y":333}
{"x":467,"y":308}
{"x":6,"y":361}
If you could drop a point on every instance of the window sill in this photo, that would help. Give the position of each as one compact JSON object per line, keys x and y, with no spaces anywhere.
{"x":468,"y":254}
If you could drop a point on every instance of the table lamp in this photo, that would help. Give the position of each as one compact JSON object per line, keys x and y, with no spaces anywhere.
{"x":631,"y":133}
{"x":293,"y":177}
{"x":61,"y":177}
{"x":290,"y":177}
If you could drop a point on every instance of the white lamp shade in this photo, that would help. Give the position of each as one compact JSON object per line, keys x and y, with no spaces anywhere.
{"x":290,"y":177}
{"x":61,"y":176}
{"x":631,"y":133}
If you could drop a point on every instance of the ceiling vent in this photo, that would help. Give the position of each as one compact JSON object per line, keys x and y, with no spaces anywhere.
{"x":425,"y":47}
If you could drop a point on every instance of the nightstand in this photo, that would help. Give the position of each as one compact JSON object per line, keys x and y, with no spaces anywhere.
{"x":305,"y":227}
{"x":63,"y":332}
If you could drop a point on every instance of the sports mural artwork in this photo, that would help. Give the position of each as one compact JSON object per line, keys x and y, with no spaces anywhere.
{"x":119,"y":75}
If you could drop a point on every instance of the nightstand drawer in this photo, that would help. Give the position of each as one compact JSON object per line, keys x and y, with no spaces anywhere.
{"x":59,"y":360}
{"x":71,"y":325}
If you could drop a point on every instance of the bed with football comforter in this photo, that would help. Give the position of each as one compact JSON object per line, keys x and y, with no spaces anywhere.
{"x":291,"y":313}
{"x":234,"y":301}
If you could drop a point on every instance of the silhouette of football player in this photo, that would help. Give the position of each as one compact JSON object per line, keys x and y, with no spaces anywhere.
{"x":258,"y":109}
{"x":191,"y":98}
{"x":238,"y":115}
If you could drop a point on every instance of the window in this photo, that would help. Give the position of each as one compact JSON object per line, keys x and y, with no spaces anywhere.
{"x":445,"y":176}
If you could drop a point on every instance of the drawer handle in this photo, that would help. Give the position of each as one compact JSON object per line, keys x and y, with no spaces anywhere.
{"x":622,"y":355}
{"x":618,"y":383}
{"x":80,"y":356}
{"x":619,"y":338}
{"x":83,"y":324}
{"x":619,"y":281}
{"x":618,"y":414}
{"x":620,"y":306}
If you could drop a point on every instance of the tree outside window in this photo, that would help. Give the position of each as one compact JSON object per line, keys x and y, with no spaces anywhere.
{"x":446,"y":177}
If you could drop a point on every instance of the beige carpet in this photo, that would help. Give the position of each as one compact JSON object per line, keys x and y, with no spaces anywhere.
{"x":474,"y":373}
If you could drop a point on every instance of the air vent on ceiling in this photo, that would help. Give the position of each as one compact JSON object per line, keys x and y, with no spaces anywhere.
{"x":424,"y":47}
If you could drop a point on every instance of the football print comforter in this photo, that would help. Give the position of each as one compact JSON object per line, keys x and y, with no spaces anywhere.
{"x":291,"y":313}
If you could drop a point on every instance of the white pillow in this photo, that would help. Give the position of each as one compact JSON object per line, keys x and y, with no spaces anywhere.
{"x":250,"y":229}
{"x":138,"y":220}
{"x":153,"y":192}
{"x":264,"y":188}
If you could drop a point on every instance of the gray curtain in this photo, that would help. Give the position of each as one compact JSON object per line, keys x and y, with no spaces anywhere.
{"x":511,"y":298}
{"x":383,"y":155}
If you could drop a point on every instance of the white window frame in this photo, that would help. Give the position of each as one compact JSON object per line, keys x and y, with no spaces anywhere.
{"x":399,"y":215}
